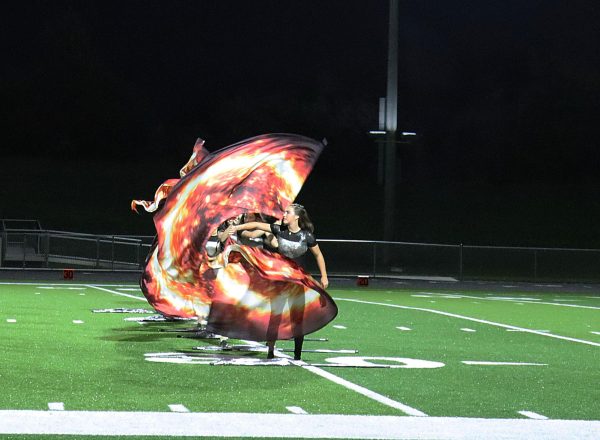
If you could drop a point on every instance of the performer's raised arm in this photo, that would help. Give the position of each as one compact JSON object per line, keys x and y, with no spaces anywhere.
{"x":254,"y":225}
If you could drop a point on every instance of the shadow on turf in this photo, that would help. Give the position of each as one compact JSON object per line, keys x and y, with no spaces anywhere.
{"x":147,"y":333}
{"x":151,"y":332}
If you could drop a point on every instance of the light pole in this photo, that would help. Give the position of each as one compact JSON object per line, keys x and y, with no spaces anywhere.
{"x":391,"y":123}
{"x":387,"y":136}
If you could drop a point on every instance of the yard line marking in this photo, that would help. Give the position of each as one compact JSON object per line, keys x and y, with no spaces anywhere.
{"x":596,"y":333}
{"x":421,"y":296}
{"x":77,"y":321}
{"x":513,"y":330}
{"x":503,"y":363}
{"x":295,"y":410}
{"x":128,"y":289}
{"x":532,"y":415}
{"x":532,"y":301}
{"x":56,"y":406}
{"x":365,"y":392}
{"x":468,"y":318}
{"x":349,"y":385}
{"x":11,"y":320}
{"x":116,"y":293}
{"x":577,"y":306}
{"x":165,"y":424}
{"x":340,"y":327}
{"x":403,"y":328}
{"x":178,"y":408}
{"x":468,"y":330}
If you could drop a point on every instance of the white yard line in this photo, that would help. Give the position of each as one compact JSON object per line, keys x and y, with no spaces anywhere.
{"x":525,"y":300}
{"x":178,"y":408}
{"x":482,"y":321}
{"x":537,"y":330}
{"x":349,"y":385}
{"x":365,"y":392}
{"x":532,"y":415}
{"x":502,"y":363}
{"x":165,"y":424}
{"x":295,"y":410}
{"x":116,"y":293}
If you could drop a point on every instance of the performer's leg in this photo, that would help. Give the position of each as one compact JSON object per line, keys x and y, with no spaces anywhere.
{"x":271,"y":352}
{"x":298,"y":347}
{"x":297,"y":320}
{"x":277,"y":304}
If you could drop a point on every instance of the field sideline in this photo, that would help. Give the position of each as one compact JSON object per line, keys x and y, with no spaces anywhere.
{"x":396,"y":363}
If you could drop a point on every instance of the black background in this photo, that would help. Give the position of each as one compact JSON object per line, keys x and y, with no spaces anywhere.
{"x":101,"y":101}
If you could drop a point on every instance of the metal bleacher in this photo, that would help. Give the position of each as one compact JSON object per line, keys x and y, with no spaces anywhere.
{"x":25,"y":244}
{"x":14,"y":242}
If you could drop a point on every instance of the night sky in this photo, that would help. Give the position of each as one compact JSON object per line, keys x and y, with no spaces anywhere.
{"x":100,"y":101}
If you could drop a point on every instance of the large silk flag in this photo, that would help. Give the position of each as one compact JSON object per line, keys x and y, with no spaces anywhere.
{"x":244,"y":292}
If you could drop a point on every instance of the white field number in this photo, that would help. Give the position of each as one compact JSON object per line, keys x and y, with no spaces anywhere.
{"x":348,"y":361}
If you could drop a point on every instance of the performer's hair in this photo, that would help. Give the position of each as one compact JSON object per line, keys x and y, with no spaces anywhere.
{"x":258,"y":217}
{"x":303,"y":219}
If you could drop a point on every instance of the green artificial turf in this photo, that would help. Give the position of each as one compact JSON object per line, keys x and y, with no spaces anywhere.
{"x":100,"y":365}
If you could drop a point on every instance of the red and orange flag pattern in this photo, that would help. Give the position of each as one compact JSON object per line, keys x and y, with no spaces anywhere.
{"x":245,"y":292}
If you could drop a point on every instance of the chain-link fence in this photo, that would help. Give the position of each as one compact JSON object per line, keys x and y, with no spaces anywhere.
{"x":59,"y":249}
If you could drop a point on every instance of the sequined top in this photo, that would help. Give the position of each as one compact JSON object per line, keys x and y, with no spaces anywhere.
{"x":293,"y":244}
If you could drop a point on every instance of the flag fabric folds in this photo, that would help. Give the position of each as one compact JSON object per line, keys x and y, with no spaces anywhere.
{"x":245,"y":292}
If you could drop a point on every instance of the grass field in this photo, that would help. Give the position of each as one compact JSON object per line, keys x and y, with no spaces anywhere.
{"x":443,"y":364}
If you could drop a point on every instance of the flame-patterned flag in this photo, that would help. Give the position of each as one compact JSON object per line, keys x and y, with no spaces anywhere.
{"x":245,"y":292}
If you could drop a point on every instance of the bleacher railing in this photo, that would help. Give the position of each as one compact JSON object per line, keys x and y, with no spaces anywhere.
{"x":403,"y":260}
{"x":61,"y":249}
